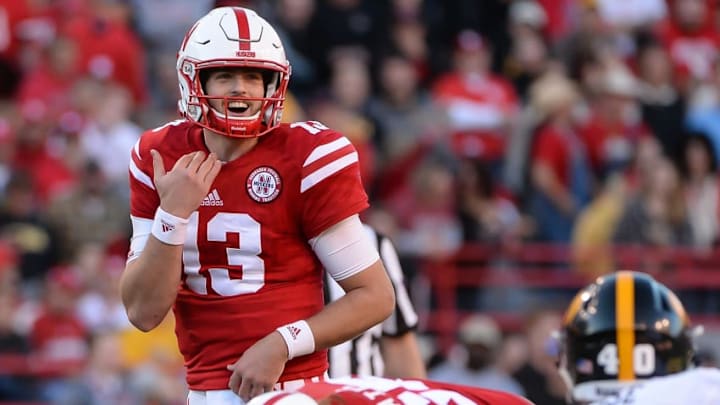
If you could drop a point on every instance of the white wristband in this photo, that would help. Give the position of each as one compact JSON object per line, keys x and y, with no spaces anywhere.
{"x":168,"y":228}
{"x":298,"y":337}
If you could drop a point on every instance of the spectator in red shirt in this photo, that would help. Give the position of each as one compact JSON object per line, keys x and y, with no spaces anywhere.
{"x":108,"y":49}
{"x":27,"y":28}
{"x":480,"y":104}
{"x":615,"y":126}
{"x":560,"y":173}
{"x":691,"y":39}
{"x":59,"y":340}
{"x":49,"y":83}
{"x":41,"y":158}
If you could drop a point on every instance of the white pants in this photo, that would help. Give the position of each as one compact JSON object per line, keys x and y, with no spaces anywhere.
{"x":227,"y":397}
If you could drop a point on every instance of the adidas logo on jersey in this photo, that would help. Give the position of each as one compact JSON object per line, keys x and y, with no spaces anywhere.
{"x":212,"y":200}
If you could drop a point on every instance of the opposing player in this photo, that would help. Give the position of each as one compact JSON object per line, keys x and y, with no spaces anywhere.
{"x":697,"y":386}
{"x":382,"y":391}
{"x":235,"y":215}
{"x":622,"y":329}
{"x":389,"y":349}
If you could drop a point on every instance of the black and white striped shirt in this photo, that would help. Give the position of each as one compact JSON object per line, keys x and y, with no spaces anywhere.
{"x":362,"y":356}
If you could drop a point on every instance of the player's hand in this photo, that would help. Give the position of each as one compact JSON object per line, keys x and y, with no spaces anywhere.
{"x":259,"y":368}
{"x":183,"y":188}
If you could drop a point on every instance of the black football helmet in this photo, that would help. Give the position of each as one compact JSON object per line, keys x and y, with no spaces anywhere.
{"x":623,"y":327}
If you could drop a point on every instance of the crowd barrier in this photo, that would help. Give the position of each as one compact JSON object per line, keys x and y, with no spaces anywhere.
{"x":546,"y":276}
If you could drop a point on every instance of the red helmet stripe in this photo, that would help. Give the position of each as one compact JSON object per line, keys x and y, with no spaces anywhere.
{"x":243,"y":30}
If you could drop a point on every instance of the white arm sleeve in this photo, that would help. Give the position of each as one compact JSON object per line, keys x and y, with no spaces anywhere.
{"x":141,"y":233}
{"x":345,"y":249}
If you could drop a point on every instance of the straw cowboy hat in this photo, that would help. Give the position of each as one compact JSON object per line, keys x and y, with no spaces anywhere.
{"x":552,"y":92}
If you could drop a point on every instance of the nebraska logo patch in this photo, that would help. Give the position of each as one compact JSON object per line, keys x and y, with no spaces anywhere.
{"x":263,"y":184}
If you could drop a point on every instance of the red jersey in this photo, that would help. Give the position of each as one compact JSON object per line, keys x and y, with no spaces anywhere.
{"x":377,"y":391}
{"x":109,"y":50}
{"x":692,"y":53}
{"x":247,"y":264}
{"x":478,"y":107}
{"x":553,"y":149}
{"x":60,"y":343}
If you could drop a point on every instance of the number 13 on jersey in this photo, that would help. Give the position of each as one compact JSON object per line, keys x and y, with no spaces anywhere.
{"x":246,"y":255}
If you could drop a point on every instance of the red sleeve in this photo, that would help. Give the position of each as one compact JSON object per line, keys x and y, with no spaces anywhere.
{"x":144,"y":199}
{"x":331,"y":187}
{"x":549,"y":150}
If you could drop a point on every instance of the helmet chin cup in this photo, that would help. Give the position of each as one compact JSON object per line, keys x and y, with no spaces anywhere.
{"x":235,"y":127}
{"x":232,"y":37}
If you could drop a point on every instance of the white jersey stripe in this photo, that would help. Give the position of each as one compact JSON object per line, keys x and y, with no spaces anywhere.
{"x":326,"y":171}
{"x":363,"y":344}
{"x":403,"y":307}
{"x":140,"y":176}
{"x":136,"y":149}
{"x":324,"y":150}
{"x":216,"y":194}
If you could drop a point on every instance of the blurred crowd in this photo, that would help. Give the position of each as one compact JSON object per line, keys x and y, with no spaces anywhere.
{"x":580,"y":122}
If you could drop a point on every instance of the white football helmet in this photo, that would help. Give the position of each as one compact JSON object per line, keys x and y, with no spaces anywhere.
{"x":232,"y":37}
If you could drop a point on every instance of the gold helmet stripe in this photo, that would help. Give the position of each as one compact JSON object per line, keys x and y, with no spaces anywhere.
{"x":573,"y":308}
{"x":678,"y":307}
{"x":625,"y":319}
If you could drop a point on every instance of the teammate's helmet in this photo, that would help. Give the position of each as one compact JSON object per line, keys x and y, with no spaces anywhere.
{"x":232,"y":37}
{"x":623,"y":327}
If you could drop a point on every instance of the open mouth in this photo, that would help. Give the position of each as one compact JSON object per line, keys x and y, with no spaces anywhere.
{"x":238,"y":107}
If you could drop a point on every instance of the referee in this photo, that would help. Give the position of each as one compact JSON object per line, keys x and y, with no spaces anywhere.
{"x":388,"y":349}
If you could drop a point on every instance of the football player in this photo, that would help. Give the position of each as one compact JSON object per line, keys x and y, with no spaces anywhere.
{"x":379,"y":391}
{"x":624,"y":328}
{"x":235,"y":216}
{"x":697,"y":386}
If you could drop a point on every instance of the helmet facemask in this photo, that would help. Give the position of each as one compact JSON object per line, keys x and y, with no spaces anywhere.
{"x":222,"y":121}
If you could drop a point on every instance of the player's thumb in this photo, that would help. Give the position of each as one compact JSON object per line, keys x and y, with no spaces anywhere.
{"x":158,"y":165}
